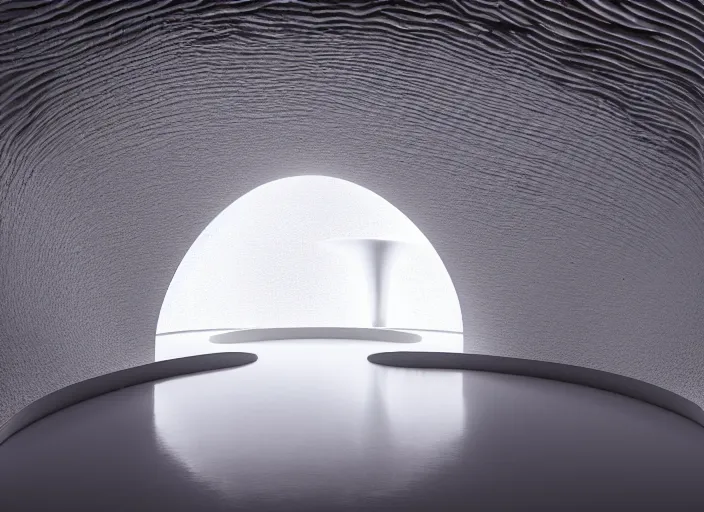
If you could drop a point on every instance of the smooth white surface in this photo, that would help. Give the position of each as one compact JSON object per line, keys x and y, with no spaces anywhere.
{"x":418,"y":414}
{"x":323,"y":409}
{"x":260,"y":264}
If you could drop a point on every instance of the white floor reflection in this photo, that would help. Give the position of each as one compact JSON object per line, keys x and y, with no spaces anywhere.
{"x":310,"y":415}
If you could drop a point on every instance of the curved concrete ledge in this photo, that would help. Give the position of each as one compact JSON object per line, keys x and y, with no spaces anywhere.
{"x":96,"y":386}
{"x":614,"y":383}
{"x":309,"y":333}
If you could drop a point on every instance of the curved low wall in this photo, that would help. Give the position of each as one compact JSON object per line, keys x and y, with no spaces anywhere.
{"x":91,"y":388}
{"x":96,"y":386}
{"x":598,"y":379}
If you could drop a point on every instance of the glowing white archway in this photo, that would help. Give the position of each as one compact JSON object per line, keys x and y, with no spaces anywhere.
{"x":260,"y":263}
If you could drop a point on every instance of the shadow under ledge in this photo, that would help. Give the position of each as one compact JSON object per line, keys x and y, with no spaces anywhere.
{"x":598,"y":379}
{"x":91,"y":388}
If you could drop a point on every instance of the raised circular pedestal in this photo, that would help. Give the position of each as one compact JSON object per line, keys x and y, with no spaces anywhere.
{"x":309,"y":333}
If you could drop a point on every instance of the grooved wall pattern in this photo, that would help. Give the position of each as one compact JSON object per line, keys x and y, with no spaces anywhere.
{"x":551,"y":152}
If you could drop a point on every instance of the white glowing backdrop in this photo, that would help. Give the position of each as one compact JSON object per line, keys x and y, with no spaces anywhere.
{"x":261,"y":263}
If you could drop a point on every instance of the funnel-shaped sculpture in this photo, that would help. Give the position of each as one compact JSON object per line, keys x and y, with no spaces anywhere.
{"x":376,"y":257}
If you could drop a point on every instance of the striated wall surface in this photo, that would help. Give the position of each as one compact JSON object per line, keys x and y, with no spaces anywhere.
{"x":551,"y":152}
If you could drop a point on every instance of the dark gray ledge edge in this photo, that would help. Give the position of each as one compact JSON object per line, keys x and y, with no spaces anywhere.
{"x":90,"y":388}
{"x":598,"y":379}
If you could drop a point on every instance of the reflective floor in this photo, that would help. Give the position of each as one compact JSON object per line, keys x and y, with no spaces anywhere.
{"x":312,"y":426}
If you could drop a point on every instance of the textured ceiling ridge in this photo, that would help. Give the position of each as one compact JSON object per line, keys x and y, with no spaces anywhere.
{"x":647,"y":59}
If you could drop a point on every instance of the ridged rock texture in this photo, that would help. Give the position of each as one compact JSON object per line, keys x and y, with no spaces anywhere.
{"x":551,"y":151}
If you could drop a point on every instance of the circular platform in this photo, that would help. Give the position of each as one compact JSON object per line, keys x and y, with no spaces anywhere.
{"x":311,"y":333}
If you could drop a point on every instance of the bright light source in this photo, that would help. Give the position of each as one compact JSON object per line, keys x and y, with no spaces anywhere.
{"x":262,"y":263}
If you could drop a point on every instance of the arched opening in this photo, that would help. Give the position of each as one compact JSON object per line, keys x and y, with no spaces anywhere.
{"x":288,"y":254}
{"x":309,"y":252}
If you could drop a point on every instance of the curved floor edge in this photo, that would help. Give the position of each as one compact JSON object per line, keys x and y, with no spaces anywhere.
{"x":305,"y":333}
{"x":598,"y":379}
{"x":90,"y":388}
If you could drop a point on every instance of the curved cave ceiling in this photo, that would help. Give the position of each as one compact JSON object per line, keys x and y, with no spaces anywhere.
{"x":551,"y":152}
